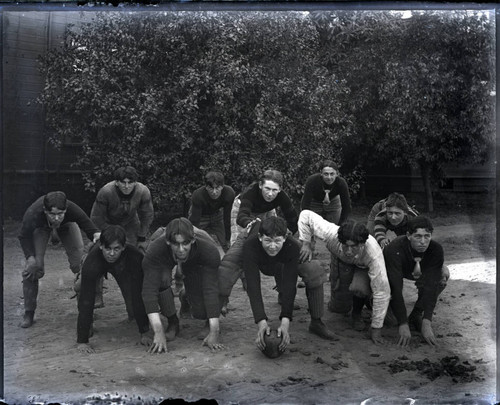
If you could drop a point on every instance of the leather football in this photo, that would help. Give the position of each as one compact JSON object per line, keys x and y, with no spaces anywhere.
{"x":272,"y":342}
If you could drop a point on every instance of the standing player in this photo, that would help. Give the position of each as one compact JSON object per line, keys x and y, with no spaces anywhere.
{"x":51,"y":214}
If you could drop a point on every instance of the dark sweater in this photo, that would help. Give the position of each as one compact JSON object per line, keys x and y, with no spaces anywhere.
{"x":315,"y":191}
{"x":200,"y":273}
{"x":128,"y":274}
{"x":255,"y":259}
{"x":35,"y":217}
{"x":203,"y":204}
{"x":399,"y":263}
{"x":252,"y":202}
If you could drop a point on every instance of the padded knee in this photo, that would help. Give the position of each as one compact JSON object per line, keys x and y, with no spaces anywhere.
{"x":312,"y":274}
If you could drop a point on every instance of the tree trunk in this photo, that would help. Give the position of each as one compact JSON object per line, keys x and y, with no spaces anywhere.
{"x":425,"y":171}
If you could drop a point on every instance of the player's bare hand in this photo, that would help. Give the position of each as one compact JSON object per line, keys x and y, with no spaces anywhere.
{"x":427,"y":332}
{"x":263,"y":329}
{"x":85,"y":348}
{"x":404,"y":335}
{"x":376,"y":336}
{"x":306,"y":252}
{"x":212,"y":341}
{"x":159,"y":344}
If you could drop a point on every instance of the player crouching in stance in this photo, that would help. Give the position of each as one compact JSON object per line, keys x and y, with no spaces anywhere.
{"x":359,"y":270}
{"x":198,"y":258}
{"x":415,"y":256}
{"x":275,"y":254}
{"x":112,"y":255}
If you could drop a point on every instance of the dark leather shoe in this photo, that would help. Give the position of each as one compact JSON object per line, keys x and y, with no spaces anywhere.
{"x":358,"y":323}
{"x":27,"y":321}
{"x":320,"y":329}
{"x":172,"y":331}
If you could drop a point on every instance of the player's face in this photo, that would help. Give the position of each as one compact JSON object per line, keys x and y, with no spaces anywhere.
{"x":112,"y":252}
{"x":420,"y":239}
{"x":180,"y":247}
{"x":272,"y":244}
{"x":329,"y":175}
{"x":395,"y":215}
{"x":270,"y":190}
{"x":55,"y":216}
{"x":126,"y":186}
{"x":351,"y":248}
{"x":214,"y":192}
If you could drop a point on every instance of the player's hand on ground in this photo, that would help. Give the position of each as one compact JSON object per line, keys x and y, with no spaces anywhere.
{"x":306,"y":252}
{"x":376,"y":336}
{"x":427,"y":332}
{"x":146,"y":339}
{"x":404,"y":335}
{"x":284,"y":334}
{"x":85,"y":348}
{"x":263,"y":329}
{"x":212,"y":341}
{"x":159,"y":344}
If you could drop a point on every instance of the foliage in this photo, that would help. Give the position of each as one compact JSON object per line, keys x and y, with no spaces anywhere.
{"x":178,"y":93}
{"x":419,"y":87}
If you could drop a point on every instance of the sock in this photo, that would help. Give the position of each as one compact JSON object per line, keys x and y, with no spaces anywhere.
{"x":357,"y":305}
{"x":315,"y":299}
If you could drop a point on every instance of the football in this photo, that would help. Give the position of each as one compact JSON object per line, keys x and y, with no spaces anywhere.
{"x":272,"y":345}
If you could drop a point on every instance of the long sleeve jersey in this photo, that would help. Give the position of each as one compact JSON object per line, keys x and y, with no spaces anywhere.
{"x":112,"y":207}
{"x":315,"y":191}
{"x":255,"y":259}
{"x":382,"y":225}
{"x":202,"y":204}
{"x":370,"y":258}
{"x":399,"y":260}
{"x":126,"y":270}
{"x":35,"y":217}
{"x":200,"y":271}
{"x":252,"y":202}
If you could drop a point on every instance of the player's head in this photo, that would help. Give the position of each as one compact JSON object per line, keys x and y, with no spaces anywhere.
{"x":125,"y":179}
{"x":55,"y":205}
{"x":214,"y":182}
{"x":419,"y":232}
{"x":353,"y":236}
{"x":113,"y":239}
{"x":329,"y":171}
{"x":179,"y":234}
{"x":270,"y":184}
{"x":272,"y":234}
{"x":396,"y":207}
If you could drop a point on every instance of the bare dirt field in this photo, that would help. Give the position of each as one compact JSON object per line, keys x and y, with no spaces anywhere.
{"x":42,"y":364}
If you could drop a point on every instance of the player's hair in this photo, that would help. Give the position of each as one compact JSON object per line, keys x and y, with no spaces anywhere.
{"x":353,"y":231}
{"x":328,"y":163}
{"x":113,"y":233}
{"x":419,"y":222}
{"x":126,"y":172}
{"x":55,"y":199}
{"x":273,"y":175}
{"x":273,"y":226}
{"x":396,"y":200}
{"x":179,"y":226}
{"x":214,"y":179}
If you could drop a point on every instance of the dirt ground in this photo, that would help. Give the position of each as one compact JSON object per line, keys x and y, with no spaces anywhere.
{"x":42,"y":365}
